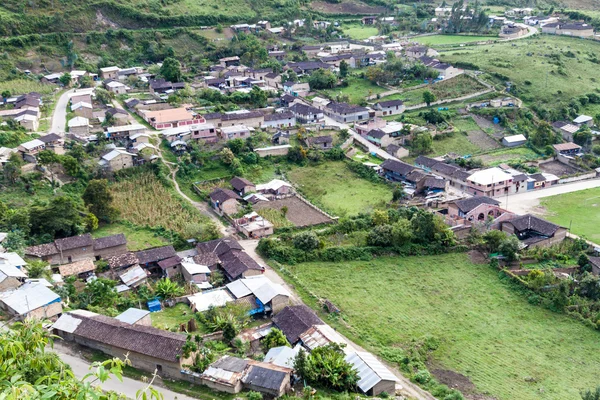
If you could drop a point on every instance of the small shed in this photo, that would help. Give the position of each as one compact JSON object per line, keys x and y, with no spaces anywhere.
{"x":514,"y":140}
{"x":373,"y":377}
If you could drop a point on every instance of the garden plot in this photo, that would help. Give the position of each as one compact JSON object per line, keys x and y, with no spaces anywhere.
{"x":298,"y":212}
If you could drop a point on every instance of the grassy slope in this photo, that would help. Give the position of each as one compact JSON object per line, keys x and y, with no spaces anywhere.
{"x":507,"y":347}
{"x":578,"y":209}
{"x":137,"y":238}
{"x":451,"y":39}
{"x":511,"y":59}
{"x":332,"y":186}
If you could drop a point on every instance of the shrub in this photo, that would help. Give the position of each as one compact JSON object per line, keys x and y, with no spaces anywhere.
{"x":307,"y":241}
{"x":422,"y":376}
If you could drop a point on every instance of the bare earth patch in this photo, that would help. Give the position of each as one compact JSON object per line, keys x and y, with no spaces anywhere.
{"x":482,"y":140}
{"x":348,"y":7}
{"x":557,"y":168}
{"x":459,"y":382}
{"x":477,"y":257}
{"x":299,"y":213}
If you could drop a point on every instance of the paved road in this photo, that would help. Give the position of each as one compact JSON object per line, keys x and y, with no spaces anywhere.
{"x":59,"y":116}
{"x":529,"y":202}
{"x":128,"y":387}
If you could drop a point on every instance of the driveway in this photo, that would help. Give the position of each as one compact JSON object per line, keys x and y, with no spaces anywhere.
{"x":129,"y":387}
{"x":529,"y":202}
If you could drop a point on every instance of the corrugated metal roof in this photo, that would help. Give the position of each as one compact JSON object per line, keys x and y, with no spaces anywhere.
{"x":321,"y":335}
{"x":282,"y":356}
{"x":193,"y":268}
{"x":203,"y":301}
{"x":29,"y":297}
{"x":238,"y":289}
{"x":132,"y":315}
{"x":66,"y":323}
{"x":370,"y":370}
{"x":133,"y":275}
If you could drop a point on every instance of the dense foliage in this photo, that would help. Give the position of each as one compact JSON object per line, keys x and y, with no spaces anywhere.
{"x":326,"y":366}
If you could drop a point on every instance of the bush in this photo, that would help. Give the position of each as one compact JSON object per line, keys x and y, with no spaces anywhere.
{"x":422,"y":376}
{"x":307,"y":241}
{"x":254,"y":395}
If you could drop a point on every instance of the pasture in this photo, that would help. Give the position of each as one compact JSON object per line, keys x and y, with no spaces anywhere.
{"x":579,"y":210}
{"x":451,"y":39}
{"x":357,"y":90}
{"x":359,"y":31}
{"x":488,"y":332}
{"x":336,"y":189}
{"x":550,"y":70}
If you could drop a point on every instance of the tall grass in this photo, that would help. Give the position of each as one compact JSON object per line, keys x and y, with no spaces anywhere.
{"x":22,"y":86}
{"x":275,"y":217}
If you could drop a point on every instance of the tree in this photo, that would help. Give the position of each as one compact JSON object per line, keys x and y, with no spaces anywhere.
{"x":493,"y":239}
{"x":428,"y":98}
{"x":543,"y":136}
{"x":12,"y":169}
{"x":344,"y":69}
{"x":171,"y":70}
{"x":583,"y":136}
{"x":86,"y":81}
{"x":167,"y":289}
{"x":398,"y":193}
{"x":100,"y":292}
{"x":60,"y":218}
{"x":65,"y":79}
{"x":510,"y":248}
{"x":401,"y":232}
{"x":15,"y":241}
{"x":227,"y":156}
{"x":275,"y":338}
{"x":307,"y":241}
{"x":258,"y":97}
{"x":422,"y":143}
{"x":380,"y":236}
{"x":70,"y":164}
{"x":322,"y":79}
{"x":6,"y":94}
{"x":591,"y":395}
{"x":50,"y":160}
{"x":98,"y":200}
{"x":326,"y":366}
{"x":103,"y":95}
{"x":380,"y":217}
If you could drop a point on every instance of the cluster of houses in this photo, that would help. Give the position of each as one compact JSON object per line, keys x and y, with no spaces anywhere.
{"x":24,"y":110}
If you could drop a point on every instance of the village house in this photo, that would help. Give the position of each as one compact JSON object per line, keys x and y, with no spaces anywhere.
{"x":235,"y":132}
{"x":81,"y":269}
{"x":533,"y":231}
{"x":480,"y":209}
{"x":170,"y":267}
{"x":77,"y":248}
{"x":109,"y":72}
{"x":319,"y":142}
{"x":116,"y":87}
{"x":150,"y":258}
{"x":379,"y":138}
{"x":284,"y":119}
{"x":343,"y":112}
{"x":261,"y":293}
{"x":293,"y":321}
{"x":416,"y":52}
{"x":253,"y":226}
{"x":397,"y":151}
{"x":446,"y":71}
{"x":280,"y":137}
{"x":312,"y":50}
{"x":79,"y":126}
{"x":296,"y":89}
{"x":29,"y":149}
{"x":282,"y":356}
{"x":565,"y":129}
{"x":11,"y":276}
{"x":234,"y":262}
{"x":276,"y":187}
{"x":122,"y":261}
{"x":117,"y":160}
{"x":195,"y":273}
{"x":124,"y":131}
{"x":54,"y":142}
{"x":161,"y":86}
{"x":269,"y":379}
{"x":370,"y":20}
{"x":28,"y":119}
{"x":514,"y":140}
{"x":148,"y":348}
{"x":513,"y":31}
{"x":242,"y":186}
{"x":306,"y":114}
{"x":229,"y":61}
{"x":170,"y":118}
{"x":31,"y":300}
{"x":302,"y":68}
{"x":390,"y":107}
{"x":225,"y":201}
{"x":133,"y":277}
{"x":281,"y":150}
{"x":118,"y":116}
{"x":82,"y":109}
{"x":582,"y":120}
{"x":225,"y":374}
{"x":396,"y":171}
{"x":337,"y":59}
{"x":567,"y":149}
{"x":135,"y":316}
{"x":491,"y":182}
{"x":577,"y":29}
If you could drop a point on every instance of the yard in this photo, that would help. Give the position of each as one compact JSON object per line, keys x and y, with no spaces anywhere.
{"x":550,"y":70}
{"x":172,"y":317}
{"x":487,"y":332}
{"x":337,"y":190}
{"x":579,"y":210}
{"x":357,"y":90}
{"x":298,"y":213}
{"x":435,"y":40}
{"x":144,"y":201}
{"x":137,"y":238}
{"x":359,"y":31}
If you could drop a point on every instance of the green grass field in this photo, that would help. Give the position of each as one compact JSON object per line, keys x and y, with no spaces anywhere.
{"x":500,"y":156}
{"x":137,"y":238}
{"x":360,"y":32}
{"x":578,"y":210}
{"x":458,"y":143}
{"x":458,"y":86}
{"x":528,"y":64}
{"x":172,"y":317}
{"x":334,"y":187}
{"x":508,"y":348}
{"x":451,"y":39}
{"x":357,"y":90}
{"x":22,"y":86}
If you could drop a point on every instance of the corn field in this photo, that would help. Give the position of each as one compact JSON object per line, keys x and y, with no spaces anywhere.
{"x":144,"y":201}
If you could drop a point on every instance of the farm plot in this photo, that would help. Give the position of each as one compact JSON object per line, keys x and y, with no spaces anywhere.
{"x":557,"y":168}
{"x":501,"y":156}
{"x":298,"y":212}
{"x":475,"y":135}
{"x":489,"y":335}
{"x":436,"y":40}
{"x":144,"y":201}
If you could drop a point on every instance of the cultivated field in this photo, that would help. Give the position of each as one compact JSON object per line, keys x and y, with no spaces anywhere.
{"x":580,"y":210}
{"x":275,"y":216}
{"x":338,"y":190}
{"x":487,"y":332}
{"x":531,"y":64}
{"x":22,"y":86}
{"x":299,"y":213}
{"x":144,"y":201}
{"x":451,"y":39}
{"x":507,"y":155}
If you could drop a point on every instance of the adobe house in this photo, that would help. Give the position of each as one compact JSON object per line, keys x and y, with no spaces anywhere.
{"x":225,"y":201}
{"x":242,"y":186}
{"x":533,"y":231}
{"x":77,"y":248}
